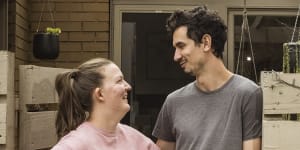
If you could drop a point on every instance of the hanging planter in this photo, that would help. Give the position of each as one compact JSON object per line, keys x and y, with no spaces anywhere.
{"x":45,"y":45}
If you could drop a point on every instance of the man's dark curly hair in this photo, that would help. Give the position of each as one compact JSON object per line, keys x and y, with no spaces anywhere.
{"x":200,"y":21}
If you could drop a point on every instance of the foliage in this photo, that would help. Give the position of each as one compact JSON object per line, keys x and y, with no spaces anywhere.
{"x":55,"y":31}
{"x":286,"y":57}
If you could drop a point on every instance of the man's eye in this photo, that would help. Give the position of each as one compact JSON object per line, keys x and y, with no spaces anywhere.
{"x":181,"y":46}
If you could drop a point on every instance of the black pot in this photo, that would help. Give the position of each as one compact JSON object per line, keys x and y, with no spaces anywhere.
{"x":45,"y":46}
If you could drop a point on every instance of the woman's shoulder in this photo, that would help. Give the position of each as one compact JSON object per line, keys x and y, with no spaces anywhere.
{"x":70,"y":141}
{"x":128,"y":129}
{"x":74,"y":139}
{"x":141,"y":141}
{"x":132,"y":133}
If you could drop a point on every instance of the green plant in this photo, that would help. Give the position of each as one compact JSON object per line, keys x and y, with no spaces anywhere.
{"x":286,"y":57}
{"x":51,"y":30}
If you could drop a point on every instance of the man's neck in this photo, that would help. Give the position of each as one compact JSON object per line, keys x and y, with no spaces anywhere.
{"x":213,"y":76}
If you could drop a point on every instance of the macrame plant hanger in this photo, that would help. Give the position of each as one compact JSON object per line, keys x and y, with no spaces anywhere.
{"x":295,"y":26}
{"x":46,"y":2}
{"x":46,"y":42}
{"x":291,"y":62}
{"x":240,"y":60}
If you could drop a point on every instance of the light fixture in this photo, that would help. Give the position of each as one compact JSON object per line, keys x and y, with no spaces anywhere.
{"x":248,"y":58}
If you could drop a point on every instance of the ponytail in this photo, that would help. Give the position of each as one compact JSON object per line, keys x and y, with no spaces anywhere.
{"x":74,"y":90}
{"x":70,"y":112}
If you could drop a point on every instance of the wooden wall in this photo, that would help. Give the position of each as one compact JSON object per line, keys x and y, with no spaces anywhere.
{"x":18,"y":43}
{"x":84,"y":25}
{"x":18,"y":33}
{"x":85,"y":33}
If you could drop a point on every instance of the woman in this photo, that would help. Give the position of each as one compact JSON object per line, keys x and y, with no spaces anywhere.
{"x":97,"y":87}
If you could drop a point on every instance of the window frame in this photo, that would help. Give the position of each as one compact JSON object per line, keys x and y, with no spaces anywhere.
{"x":116,"y":21}
{"x":250,"y":11}
{"x":3,"y":25}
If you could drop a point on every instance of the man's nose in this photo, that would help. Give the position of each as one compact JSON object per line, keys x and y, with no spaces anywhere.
{"x":177,"y":55}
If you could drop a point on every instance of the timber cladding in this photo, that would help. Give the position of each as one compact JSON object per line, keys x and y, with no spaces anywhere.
{"x":84,"y":25}
{"x":38,"y":107}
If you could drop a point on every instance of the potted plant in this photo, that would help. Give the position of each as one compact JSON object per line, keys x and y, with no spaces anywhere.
{"x":46,"y":44}
{"x":291,"y":57}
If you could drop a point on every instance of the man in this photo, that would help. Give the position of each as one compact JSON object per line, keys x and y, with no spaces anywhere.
{"x":219,"y":110}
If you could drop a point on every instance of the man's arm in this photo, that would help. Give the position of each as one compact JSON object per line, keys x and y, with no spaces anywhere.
{"x":165,"y":145}
{"x":252,"y":144}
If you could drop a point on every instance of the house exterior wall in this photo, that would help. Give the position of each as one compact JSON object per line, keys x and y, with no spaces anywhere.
{"x":85,"y":33}
{"x":18,"y":35}
{"x":18,"y":46}
{"x":84,"y":25}
{"x":222,"y":8}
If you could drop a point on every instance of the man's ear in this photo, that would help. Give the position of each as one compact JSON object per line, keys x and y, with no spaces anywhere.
{"x":206,"y":40}
{"x":97,"y":94}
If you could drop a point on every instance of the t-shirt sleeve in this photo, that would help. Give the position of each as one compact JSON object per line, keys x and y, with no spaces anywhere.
{"x":252,"y":115}
{"x":164,"y":125}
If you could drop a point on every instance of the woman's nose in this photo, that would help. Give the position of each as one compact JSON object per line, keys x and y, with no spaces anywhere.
{"x":127,"y":86}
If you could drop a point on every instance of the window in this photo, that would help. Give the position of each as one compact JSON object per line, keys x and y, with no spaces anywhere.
{"x":269,"y":30}
{"x":3,"y":25}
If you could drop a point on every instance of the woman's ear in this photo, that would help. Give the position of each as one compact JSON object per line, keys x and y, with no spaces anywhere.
{"x":206,"y":40}
{"x":97,"y":94}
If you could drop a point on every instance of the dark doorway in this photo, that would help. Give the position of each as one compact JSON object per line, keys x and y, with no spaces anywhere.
{"x":147,"y":63}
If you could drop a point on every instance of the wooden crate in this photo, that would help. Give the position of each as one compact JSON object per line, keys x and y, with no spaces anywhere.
{"x":2,"y":123}
{"x":7,"y":100}
{"x":281,"y":135}
{"x":37,"y":130}
{"x":281,"y":92}
{"x":38,"y":106}
{"x":281,"y":95}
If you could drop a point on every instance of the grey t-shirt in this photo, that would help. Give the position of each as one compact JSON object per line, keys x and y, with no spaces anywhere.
{"x":217,"y":120}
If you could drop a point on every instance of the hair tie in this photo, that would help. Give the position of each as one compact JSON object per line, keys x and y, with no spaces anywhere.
{"x":74,"y":74}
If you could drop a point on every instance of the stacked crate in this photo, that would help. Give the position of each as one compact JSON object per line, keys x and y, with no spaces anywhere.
{"x":7,"y":100}
{"x":38,"y":107}
{"x":281,"y":95}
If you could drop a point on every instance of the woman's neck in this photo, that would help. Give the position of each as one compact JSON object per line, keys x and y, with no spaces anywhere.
{"x":103,"y":122}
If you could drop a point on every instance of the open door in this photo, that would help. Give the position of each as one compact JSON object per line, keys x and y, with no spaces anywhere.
{"x":147,"y":64}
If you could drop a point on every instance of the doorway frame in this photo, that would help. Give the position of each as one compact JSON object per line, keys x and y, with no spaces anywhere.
{"x":116,"y":37}
{"x":116,"y":21}
{"x":226,"y":10}
{"x":4,"y":25}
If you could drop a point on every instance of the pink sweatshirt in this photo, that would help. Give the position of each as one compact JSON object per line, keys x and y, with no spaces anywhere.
{"x":87,"y":137}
